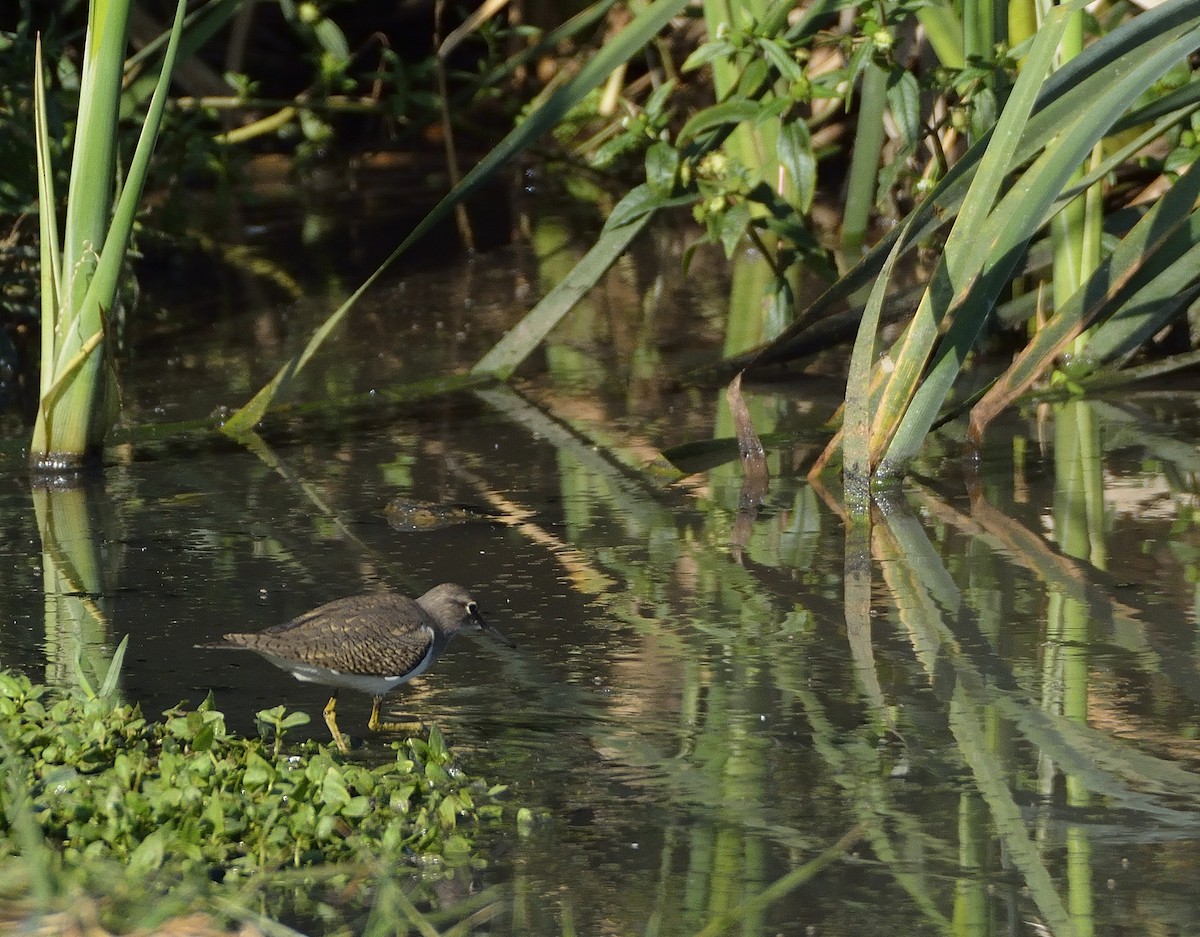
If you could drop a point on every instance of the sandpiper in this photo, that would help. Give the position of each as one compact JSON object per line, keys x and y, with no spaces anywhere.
{"x":370,"y":643}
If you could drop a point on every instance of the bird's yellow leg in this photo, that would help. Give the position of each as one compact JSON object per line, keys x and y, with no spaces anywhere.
{"x":375,"y":725}
{"x":331,"y":721}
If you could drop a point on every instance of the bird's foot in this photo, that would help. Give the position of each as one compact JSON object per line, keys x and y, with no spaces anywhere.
{"x":331,"y":721}
{"x":407,"y":726}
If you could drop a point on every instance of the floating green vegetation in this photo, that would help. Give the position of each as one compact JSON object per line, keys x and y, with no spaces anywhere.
{"x":98,"y":799}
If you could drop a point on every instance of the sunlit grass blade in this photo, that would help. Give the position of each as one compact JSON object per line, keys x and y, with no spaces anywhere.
{"x":49,"y":255}
{"x":73,"y":413}
{"x":1065,"y":93}
{"x":641,"y":30}
{"x":993,"y":248}
{"x":869,"y":138}
{"x":526,"y":335}
{"x":112,"y":677}
{"x":964,"y":252}
{"x":862,"y":389}
{"x":105,"y":280}
{"x":1135,"y":259}
{"x":93,"y":158}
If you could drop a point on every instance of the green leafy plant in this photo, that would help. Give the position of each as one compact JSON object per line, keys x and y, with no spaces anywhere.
{"x":92,"y":787}
{"x":80,"y":281}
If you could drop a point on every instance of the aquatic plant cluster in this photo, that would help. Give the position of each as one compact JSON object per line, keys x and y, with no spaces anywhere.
{"x":181,"y":798}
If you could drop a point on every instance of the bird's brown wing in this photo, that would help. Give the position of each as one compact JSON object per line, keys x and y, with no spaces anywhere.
{"x":375,"y":635}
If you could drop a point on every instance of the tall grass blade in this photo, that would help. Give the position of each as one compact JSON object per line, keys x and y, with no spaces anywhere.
{"x":1065,"y":93}
{"x":996,"y":246}
{"x":627,"y":43}
{"x":103,"y":288}
{"x":1107,"y":290}
{"x":861,"y":387}
{"x":964,"y":251}
{"x":520,"y":341}
{"x":94,"y":158}
{"x":112,"y":677}
{"x":47,"y":222}
{"x":74,"y":413}
{"x":864,"y":159}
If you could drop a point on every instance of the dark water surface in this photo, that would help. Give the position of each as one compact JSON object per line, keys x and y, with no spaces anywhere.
{"x":997,"y":697}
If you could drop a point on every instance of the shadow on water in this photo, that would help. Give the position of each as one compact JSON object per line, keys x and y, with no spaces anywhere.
{"x":979,"y":716}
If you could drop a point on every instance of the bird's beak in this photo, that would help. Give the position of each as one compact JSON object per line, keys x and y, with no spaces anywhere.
{"x":484,"y":626}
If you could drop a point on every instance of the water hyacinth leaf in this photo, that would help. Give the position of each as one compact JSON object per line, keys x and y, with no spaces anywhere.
{"x":619,"y":49}
{"x":357,"y":807}
{"x":258,"y":771}
{"x":333,"y":789}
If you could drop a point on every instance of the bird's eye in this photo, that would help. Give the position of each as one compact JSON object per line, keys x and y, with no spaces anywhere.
{"x":472,"y":608}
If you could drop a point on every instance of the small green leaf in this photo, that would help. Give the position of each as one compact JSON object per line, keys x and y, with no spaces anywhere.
{"x":662,"y":168}
{"x":437,"y":746}
{"x":736,"y":110}
{"x":753,"y":76}
{"x":202,"y":741}
{"x":796,"y":155}
{"x":258,"y":771}
{"x":149,"y":854}
{"x":904,"y":99}
{"x":733,"y":227}
{"x":437,"y":774}
{"x":331,"y":39}
{"x":292,"y":720}
{"x":706,"y":54}
{"x":333,"y":789}
{"x":656,"y":104}
{"x":639,"y":202}
{"x":781,"y":59}
{"x":448,"y":812}
{"x":358,"y":806}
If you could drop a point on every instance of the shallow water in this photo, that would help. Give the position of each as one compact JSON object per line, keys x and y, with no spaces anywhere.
{"x":992,"y":703}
